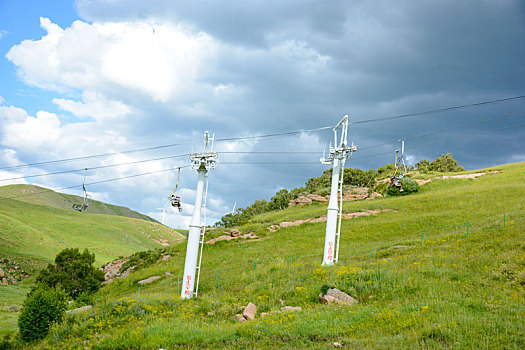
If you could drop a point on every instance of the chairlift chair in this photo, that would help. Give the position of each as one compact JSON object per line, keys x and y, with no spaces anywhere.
{"x":174,"y":199}
{"x":400,"y":168}
{"x":86,"y":197}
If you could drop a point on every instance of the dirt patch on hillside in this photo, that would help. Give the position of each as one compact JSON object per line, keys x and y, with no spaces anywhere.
{"x":346,"y":216}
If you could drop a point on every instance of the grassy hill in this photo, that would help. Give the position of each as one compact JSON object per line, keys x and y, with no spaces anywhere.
{"x":31,"y":235}
{"x":421,"y":280}
{"x":44,"y":196}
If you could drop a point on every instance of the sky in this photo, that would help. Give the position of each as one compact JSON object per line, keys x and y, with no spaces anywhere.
{"x":90,"y":77}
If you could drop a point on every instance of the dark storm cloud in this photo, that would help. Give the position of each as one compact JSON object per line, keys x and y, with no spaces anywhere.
{"x":304,"y":64}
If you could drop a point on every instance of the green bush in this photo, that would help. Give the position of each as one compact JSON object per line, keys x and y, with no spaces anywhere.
{"x":41,"y":307}
{"x":74,"y":272}
{"x":409,"y":186}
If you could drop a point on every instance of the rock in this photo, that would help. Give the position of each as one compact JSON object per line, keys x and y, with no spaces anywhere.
{"x":12,"y":280}
{"x":375,"y":195}
{"x":4,"y":281}
{"x":281,"y":301}
{"x":356,"y":194}
{"x":239,"y":318}
{"x":2,"y":273}
{"x":210,"y":313}
{"x":13,"y":308}
{"x":111,"y":269}
{"x":235,"y":233}
{"x":273,"y":228}
{"x":168,"y":274}
{"x":317,"y":197}
{"x":220,"y":238}
{"x":337,"y":345}
{"x":291,"y":308}
{"x":326,"y":299}
{"x":250,"y":311}
{"x":292,"y":223}
{"x":264,"y":314}
{"x":340,"y":298}
{"x":148,"y":280}
{"x":166,"y":257}
{"x":79,"y":310}
{"x":302,"y":200}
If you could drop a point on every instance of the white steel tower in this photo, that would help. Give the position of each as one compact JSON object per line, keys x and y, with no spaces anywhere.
{"x":337,"y":157}
{"x":200,"y":162}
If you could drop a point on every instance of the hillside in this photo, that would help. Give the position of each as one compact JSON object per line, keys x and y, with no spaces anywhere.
{"x":31,"y":235}
{"x":443,"y":268}
{"x":44,"y":196}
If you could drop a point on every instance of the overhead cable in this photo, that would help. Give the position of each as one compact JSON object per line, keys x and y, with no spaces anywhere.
{"x":98,"y":182}
{"x":433,"y":111}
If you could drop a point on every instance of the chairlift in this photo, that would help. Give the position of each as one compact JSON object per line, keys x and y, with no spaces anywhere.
{"x":400,"y":168}
{"x":174,"y":199}
{"x":86,"y":197}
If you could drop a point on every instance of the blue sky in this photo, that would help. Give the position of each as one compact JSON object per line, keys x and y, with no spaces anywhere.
{"x":95,"y":76}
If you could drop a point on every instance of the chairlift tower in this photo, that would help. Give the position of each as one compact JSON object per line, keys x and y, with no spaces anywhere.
{"x":192,"y":265}
{"x":337,"y":157}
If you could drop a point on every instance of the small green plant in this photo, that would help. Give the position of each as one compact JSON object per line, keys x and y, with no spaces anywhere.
{"x":42,"y":307}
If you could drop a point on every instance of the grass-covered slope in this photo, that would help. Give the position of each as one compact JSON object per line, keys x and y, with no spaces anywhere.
{"x":421,"y":281}
{"x":31,"y":235}
{"x":44,"y":196}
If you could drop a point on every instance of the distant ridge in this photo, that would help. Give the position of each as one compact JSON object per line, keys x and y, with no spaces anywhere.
{"x":45,"y":196}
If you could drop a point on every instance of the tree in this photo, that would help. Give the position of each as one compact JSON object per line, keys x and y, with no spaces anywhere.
{"x":445,"y":163}
{"x":74,"y":272}
{"x":409,"y":186}
{"x":41,"y":307}
{"x":280,"y":200}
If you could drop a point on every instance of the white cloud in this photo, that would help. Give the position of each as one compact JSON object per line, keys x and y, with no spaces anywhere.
{"x":33,"y":132}
{"x":157,"y":59}
{"x":94,"y":105}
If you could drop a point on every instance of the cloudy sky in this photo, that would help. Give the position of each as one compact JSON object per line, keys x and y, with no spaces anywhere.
{"x":90,"y":77}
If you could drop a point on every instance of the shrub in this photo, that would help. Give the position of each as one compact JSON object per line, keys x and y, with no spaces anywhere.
{"x":41,"y":307}
{"x":74,"y":272}
{"x":409,"y":186}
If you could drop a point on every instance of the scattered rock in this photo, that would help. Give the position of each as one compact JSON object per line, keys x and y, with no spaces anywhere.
{"x":374,"y":195}
{"x":421,"y":182}
{"x":168,"y":274}
{"x":317,"y":197}
{"x":250,"y":311}
{"x":13,"y":308}
{"x":239,"y":318}
{"x":464,"y":176}
{"x":2,"y":273}
{"x":210,"y":313}
{"x":335,"y":296}
{"x":291,"y":308}
{"x":111,"y":270}
{"x":401,"y":247}
{"x":4,"y":281}
{"x":80,"y":309}
{"x":337,"y":345}
{"x":302,"y":200}
{"x":235,"y":233}
{"x":281,"y":301}
{"x":250,"y":235}
{"x":148,"y":280}
{"x":166,"y":257}
{"x":264,"y":314}
{"x":273,"y":228}
{"x":326,"y":299}
{"x":356,"y":194}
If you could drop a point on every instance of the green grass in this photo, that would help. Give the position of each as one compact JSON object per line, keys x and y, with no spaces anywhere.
{"x":447,"y":291}
{"x":33,"y":234}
